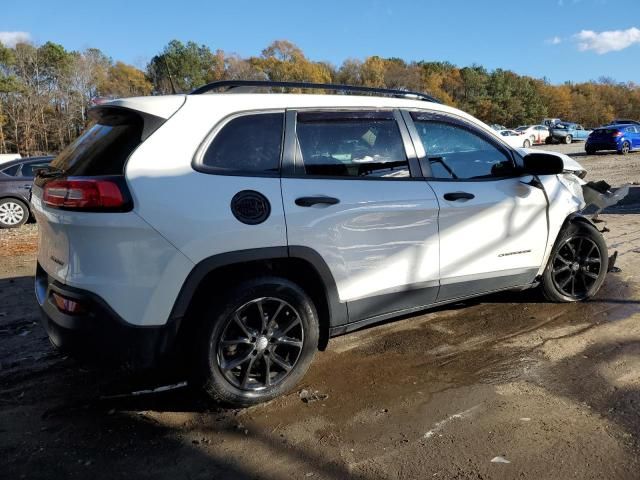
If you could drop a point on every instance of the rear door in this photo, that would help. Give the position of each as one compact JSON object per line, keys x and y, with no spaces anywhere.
{"x":492,"y":223}
{"x":352,"y":193}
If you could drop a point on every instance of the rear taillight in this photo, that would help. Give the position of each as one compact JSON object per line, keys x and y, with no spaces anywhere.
{"x":67,"y":305}
{"x":91,"y":194}
{"x":616,"y":134}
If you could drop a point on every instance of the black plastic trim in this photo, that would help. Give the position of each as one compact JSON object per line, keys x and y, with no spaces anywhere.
{"x":415,"y":296}
{"x":101,"y":335}
{"x":337,"y":310}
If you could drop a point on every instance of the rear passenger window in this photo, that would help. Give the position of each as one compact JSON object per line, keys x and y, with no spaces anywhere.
{"x":249,"y":144}
{"x":345,"y":144}
{"x":454,"y":152}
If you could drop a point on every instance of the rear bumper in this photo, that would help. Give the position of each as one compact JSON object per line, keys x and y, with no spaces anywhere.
{"x":602,"y":145}
{"x":100,"y":335}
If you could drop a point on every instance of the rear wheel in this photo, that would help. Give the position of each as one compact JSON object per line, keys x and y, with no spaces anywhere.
{"x":577,"y":266}
{"x":258,"y":344}
{"x":13,"y":213}
{"x":568,"y":139}
{"x":626,"y":148}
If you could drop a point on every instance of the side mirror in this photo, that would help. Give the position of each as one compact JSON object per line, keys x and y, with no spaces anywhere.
{"x":542,"y":164}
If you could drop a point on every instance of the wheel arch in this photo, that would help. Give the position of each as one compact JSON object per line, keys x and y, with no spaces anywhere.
{"x":302,"y":265}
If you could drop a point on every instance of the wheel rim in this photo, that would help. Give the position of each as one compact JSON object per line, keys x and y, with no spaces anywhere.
{"x":576,"y":266}
{"x":526,"y":144}
{"x":11,"y":213}
{"x":625,"y":147}
{"x":568,"y":139}
{"x":261,"y":344}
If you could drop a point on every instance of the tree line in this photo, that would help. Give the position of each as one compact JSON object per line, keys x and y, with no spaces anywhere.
{"x":46,"y":90}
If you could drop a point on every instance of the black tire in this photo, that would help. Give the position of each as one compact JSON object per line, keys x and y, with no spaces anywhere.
{"x":13,"y":213}
{"x":626,"y":148}
{"x":568,"y":139}
{"x":548,"y":140}
{"x":567,"y":279}
{"x":590,"y":150}
{"x":526,"y":144}
{"x":265,"y":355}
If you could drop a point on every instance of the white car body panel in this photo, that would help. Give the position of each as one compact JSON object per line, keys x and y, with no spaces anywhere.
{"x":117,"y":256}
{"x":374,"y":243}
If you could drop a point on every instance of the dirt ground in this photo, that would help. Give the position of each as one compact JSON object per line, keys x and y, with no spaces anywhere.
{"x":506,"y":386}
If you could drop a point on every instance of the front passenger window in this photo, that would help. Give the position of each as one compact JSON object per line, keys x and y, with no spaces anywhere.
{"x":453,"y":152}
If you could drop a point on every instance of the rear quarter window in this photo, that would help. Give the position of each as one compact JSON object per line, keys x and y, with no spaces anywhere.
{"x":246,"y":145}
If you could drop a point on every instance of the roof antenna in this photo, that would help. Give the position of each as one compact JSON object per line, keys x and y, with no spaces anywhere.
{"x":166,"y":65}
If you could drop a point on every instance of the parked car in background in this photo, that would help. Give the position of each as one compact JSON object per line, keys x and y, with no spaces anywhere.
{"x":567,"y":132}
{"x":550,"y":122}
{"x":622,"y":138}
{"x":497,"y":127}
{"x":622,"y":121}
{"x":514,"y":138}
{"x":16,"y":178}
{"x":535,"y":133}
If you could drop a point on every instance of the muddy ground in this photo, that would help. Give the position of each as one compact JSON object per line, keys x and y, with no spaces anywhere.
{"x":552,"y":389}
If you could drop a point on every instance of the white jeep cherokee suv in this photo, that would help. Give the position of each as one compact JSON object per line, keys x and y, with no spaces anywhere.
{"x":244,"y":229}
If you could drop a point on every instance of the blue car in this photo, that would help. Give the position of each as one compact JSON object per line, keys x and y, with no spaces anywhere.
{"x":623,"y":138}
{"x":566,"y":132}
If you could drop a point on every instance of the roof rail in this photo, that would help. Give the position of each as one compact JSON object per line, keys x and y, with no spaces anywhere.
{"x":249,"y":86}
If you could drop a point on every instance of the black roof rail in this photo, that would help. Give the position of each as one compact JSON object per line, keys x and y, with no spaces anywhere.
{"x":248,"y":86}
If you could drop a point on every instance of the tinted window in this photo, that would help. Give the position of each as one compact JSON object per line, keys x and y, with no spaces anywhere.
{"x":29,"y":169}
{"x":631,"y":129}
{"x":11,"y":171}
{"x":455,"y":152}
{"x":247,"y":144}
{"x":361,"y":145}
{"x":104,"y":148}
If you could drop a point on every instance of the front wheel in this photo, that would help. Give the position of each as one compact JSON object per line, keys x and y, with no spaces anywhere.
{"x":526,"y":144}
{"x":577,"y":266}
{"x":568,"y":139}
{"x":13,"y":213}
{"x":258,"y":343}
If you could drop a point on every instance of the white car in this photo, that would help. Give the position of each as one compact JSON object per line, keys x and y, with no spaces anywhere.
{"x":241,"y":230}
{"x":535,"y":133}
{"x":514,"y":139}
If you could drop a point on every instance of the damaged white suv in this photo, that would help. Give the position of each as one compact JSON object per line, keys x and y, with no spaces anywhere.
{"x":241,"y":228}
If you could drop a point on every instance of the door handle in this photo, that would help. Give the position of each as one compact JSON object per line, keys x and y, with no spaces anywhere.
{"x":453,"y":196}
{"x":310,"y":201}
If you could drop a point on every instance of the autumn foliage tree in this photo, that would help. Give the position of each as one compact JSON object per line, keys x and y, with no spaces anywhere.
{"x":46,"y":90}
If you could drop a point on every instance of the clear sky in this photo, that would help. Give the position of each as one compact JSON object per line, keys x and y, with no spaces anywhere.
{"x":562,"y":40}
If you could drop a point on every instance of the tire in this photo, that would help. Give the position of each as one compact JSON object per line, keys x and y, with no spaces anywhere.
{"x":548,"y":140}
{"x":260,"y":365}
{"x":625,"y":149}
{"x":568,"y":139}
{"x":590,"y":150}
{"x":13,"y":213}
{"x":526,"y":144}
{"x":574,"y":277}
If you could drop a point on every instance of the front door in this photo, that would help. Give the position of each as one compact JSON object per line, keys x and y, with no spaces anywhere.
{"x":351,"y":197}
{"x":492,"y":223}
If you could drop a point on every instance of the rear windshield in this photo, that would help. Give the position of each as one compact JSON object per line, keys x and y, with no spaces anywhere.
{"x":104,"y":147}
